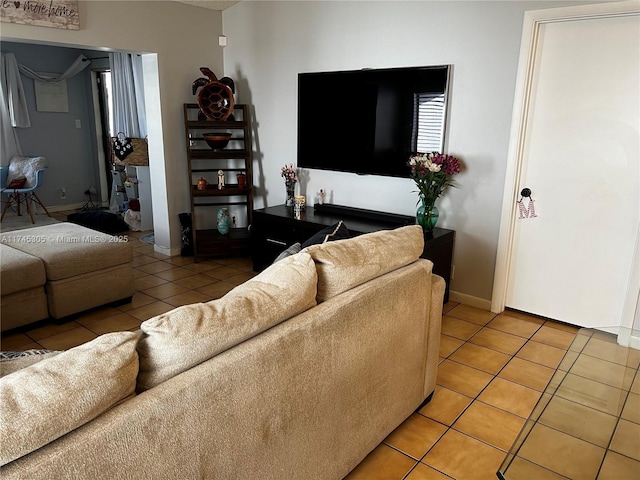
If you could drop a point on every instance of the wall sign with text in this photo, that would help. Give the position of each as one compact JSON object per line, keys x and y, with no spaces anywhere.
{"x":41,"y":13}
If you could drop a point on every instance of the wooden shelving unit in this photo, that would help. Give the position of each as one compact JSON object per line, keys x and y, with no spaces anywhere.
{"x":205,"y":162}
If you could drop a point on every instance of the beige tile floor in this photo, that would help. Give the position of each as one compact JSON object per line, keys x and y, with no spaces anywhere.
{"x":493,"y":370}
{"x":588,"y":413}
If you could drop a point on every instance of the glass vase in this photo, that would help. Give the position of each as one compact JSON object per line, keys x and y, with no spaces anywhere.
{"x":290,"y":194}
{"x":223,"y":221}
{"x":427,"y":215}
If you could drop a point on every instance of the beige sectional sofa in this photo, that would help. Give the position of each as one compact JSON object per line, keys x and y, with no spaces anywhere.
{"x":296,"y":374}
{"x":71,"y":267}
{"x":22,"y":279}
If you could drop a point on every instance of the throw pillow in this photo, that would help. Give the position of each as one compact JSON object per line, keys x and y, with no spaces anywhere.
{"x":335,"y":232}
{"x":292,"y":250}
{"x":187,"y":336}
{"x":13,"y":361}
{"x":25,"y":167}
{"x":51,"y":398}
{"x":17,"y":182}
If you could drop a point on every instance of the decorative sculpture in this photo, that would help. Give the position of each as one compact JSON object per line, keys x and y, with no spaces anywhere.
{"x":215,"y":97}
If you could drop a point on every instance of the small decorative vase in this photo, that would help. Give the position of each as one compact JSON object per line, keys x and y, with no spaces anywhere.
{"x":242,"y":181}
{"x":203,"y":184}
{"x":223,"y":221}
{"x":290,"y":194}
{"x":427,"y":215}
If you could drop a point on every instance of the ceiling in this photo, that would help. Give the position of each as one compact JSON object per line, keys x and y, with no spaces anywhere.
{"x":210,"y":4}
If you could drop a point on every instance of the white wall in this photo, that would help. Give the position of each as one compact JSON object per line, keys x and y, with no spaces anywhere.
{"x":271,"y":42}
{"x":184,"y":38}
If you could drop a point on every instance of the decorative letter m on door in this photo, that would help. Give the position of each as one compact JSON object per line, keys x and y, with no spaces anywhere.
{"x":526,"y":212}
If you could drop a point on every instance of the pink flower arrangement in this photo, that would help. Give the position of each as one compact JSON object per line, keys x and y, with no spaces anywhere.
{"x":289,"y":174}
{"x":432,"y":173}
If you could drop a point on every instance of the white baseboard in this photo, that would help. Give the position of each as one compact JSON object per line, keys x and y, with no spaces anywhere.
{"x":469,"y":300}
{"x":169,"y":252}
{"x":62,"y":208}
{"x":626,"y":337}
{"x":72,"y":206}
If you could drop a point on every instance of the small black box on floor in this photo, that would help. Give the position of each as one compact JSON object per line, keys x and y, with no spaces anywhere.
{"x":100,"y":220}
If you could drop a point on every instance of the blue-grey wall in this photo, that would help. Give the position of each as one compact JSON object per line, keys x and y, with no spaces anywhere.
{"x":70,"y":151}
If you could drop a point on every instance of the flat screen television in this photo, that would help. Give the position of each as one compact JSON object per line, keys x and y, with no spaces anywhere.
{"x":370,"y":121}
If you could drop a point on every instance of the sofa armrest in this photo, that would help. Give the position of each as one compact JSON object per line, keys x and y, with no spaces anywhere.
{"x":433,"y":339}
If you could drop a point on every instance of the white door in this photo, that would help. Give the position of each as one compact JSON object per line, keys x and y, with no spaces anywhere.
{"x":578,"y":151}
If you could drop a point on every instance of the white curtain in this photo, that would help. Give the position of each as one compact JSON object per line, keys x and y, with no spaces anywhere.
{"x":128,"y":94}
{"x":76,"y":67}
{"x":13,"y":108}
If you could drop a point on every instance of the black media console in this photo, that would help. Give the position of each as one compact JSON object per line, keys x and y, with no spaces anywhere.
{"x":276,"y":228}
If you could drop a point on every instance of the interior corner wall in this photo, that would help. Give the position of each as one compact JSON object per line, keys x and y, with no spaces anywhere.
{"x":269,"y":43}
{"x":184,"y":38}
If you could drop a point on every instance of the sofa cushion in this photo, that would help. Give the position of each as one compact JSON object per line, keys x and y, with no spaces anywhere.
{"x":13,"y":313}
{"x":18,"y":270}
{"x":13,"y":361}
{"x":345,"y":264}
{"x":187,"y":336}
{"x":68,"y":250}
{"x":44,"y":401}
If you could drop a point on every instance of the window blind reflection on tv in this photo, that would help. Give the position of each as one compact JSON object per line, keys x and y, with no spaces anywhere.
{"x":370,"y":121}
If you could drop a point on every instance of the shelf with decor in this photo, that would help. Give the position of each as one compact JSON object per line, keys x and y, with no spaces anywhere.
{"x":206,"y":158}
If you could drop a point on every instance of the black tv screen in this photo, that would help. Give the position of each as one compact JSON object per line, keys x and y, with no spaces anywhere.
{"x":370,"y":121}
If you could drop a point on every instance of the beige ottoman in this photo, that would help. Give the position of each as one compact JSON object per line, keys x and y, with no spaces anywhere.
{"x":22,"y":296}
{"x":84,"y":268}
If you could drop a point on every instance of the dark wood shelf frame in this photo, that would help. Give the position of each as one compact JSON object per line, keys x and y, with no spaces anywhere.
{"x":209,"y":242}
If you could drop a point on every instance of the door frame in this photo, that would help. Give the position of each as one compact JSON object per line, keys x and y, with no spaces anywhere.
{"x":99,"y":126}
{"x":533,"y":21}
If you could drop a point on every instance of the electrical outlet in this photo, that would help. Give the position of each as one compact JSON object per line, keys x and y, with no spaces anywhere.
{"x":63,"y":193}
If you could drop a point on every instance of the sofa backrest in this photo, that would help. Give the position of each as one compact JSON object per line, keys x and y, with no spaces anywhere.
{"x":345,"y":264}
{"x":187,"y":336}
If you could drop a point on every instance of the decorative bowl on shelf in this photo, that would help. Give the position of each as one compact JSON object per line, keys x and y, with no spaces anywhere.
{"x":217,"y":141}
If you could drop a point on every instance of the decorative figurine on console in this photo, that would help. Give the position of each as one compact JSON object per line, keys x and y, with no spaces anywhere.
{"x":220,"y":179}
